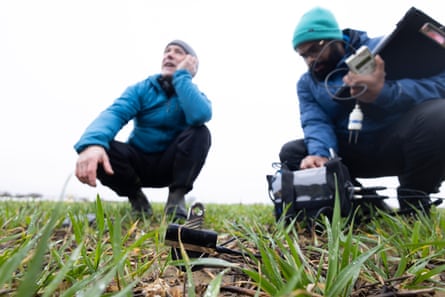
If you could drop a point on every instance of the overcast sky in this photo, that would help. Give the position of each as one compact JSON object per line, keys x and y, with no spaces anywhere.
{"x":62,"y":62}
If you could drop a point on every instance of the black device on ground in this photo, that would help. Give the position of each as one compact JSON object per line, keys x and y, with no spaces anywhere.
{"x":414,"y":49}
{"x":306,"y":195}
{"x":196,"y":241}
{"x":309,"y":193}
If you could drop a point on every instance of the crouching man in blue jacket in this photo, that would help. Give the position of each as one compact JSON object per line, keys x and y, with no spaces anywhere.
{"x":168,"y":145}
{"x":403,"y":126}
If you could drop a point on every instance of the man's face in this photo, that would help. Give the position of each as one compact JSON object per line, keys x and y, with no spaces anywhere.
{"x":173,"y":55}
{"x":321,"y":56}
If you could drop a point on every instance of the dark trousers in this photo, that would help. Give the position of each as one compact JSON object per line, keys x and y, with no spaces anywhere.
{"x":413,"y":149}
{"x":176,"y":168}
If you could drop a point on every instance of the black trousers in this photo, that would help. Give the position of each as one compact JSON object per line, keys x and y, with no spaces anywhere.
{"x":413,"y":149}
{"x":176,"y":168}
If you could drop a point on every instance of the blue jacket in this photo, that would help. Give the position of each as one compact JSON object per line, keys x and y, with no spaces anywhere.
{"x":325,"y":120}
{"x":157,"y":119}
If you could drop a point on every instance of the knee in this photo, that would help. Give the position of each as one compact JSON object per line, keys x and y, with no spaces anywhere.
{"x":203,"y":135}
{"x":433,"y":110}
{"x":430,"y":120}
{"x":197,"y":137}
{"x":292,"y":153}
{"x":292,"y":149}
{"x":286,"y":151}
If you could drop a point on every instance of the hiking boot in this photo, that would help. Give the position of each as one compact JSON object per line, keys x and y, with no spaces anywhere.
{"x":139,"y":203}
{"x":176,"y":212}
{"x":175,"y":206}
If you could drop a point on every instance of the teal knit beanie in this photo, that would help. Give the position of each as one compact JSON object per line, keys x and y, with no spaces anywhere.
{"x":316,"y":24}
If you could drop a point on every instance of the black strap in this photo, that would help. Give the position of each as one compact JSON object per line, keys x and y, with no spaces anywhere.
{"x":287,"y":190}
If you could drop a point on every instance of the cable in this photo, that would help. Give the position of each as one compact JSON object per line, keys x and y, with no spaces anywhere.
{"x":221,"y":249}
{"x":333,"y":95}
{"x":344,"y":69}
{"x":323,"y":49}
{"x":356,"y":116}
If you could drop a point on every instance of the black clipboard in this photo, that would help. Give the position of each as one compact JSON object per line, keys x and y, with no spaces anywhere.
{"x":414,"y":49}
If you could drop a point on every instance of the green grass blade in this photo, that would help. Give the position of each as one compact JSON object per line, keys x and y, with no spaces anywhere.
{"x":347,"y":277}
{"x":29,"y":285}
{"x":214,"y":286}
{"x":59,"y":277}
{"x":13,"y":261}
{"x":100,"y":225}
{"x":100,"y":216}
{"x":427,"y":275}
{"x":262,"y":282}
{"x":101,"y":282}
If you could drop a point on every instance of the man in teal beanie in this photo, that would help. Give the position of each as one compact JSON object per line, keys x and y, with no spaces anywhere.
{"x":401,"y":118}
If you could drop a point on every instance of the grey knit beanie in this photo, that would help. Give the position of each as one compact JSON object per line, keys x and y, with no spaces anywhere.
{"x":187,"y":48}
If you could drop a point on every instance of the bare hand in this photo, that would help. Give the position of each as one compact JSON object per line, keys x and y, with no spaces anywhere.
{"x":313,"y":162}
{"x":89,"y":159}
{"x":189,"y":63}
{"x":373,"y":82}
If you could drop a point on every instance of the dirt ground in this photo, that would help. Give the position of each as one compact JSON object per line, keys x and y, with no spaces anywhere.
{"x":172,"y":282}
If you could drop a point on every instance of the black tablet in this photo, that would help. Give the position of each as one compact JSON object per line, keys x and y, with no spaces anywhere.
{"x":415,"y":49}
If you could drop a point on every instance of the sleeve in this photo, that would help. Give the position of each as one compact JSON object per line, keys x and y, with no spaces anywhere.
{"x":195,"y":104}
{"x":408,"y":92}
{"x":317,"y":126}
{"x":109,"y":122}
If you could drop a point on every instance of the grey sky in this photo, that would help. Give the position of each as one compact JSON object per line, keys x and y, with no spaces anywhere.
{"x":62,"y":62}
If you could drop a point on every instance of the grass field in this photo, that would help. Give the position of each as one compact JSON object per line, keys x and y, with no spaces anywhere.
{"x":103,"y":249}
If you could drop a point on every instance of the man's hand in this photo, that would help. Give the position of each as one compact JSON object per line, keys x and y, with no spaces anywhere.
{"x":189,"y":63}
{"x":89,"y":159}
{"x":313,"y":162}
{"x":373,"y":82}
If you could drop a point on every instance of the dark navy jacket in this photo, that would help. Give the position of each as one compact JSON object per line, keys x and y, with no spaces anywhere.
{"x":325,"y":120}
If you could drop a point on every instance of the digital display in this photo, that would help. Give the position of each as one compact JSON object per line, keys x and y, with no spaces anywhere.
{"x":363,"y":62}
